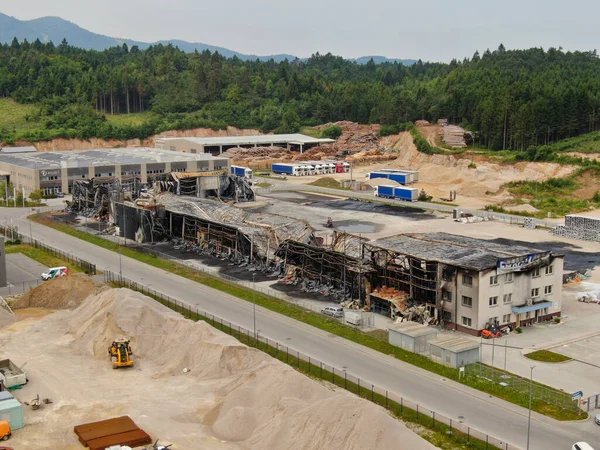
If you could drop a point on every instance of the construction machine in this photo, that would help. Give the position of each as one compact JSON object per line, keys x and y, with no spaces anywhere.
{"x":120,"y":353}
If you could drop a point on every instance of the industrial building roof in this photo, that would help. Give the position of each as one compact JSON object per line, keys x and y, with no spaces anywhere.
{"x":452,"y":249}
{"x":454,"y":344}
{"x":26,"y":149}
{"x":99,"y":157}
{"x":413,"y":329}
{"x":251,"y":140}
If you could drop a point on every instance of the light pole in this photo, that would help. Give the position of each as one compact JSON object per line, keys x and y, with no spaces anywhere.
{"x":254,"y":301}
{"x":530,"y":399}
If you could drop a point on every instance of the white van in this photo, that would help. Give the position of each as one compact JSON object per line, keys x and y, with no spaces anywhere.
{"x":55,"y":272}
{"x":582,"y":446}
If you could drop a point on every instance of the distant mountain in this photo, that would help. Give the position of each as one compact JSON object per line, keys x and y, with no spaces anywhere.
{"x":55,"y":29}
{"x":383,"y":59}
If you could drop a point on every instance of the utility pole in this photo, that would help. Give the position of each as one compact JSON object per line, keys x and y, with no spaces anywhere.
{"x":254,"y":302}
{"x":505,"y":347}
{"x":530,"y":399}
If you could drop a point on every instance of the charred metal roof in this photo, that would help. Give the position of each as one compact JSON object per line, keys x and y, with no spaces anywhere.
{"x":452,"y":249}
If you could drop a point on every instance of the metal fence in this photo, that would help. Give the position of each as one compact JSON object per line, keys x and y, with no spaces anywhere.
{"x":539,"y":392}
{"x":592,"y":402}
{"x":455,"y":429}
{"x":13,"y":234}
{"x":490,"y":215}
{"x":19,"y":288}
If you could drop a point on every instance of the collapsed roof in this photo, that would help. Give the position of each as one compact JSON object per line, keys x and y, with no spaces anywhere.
{"x":264,"y":231}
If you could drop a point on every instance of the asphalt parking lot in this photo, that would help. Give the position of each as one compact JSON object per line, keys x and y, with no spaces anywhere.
{"x":587,"y":350}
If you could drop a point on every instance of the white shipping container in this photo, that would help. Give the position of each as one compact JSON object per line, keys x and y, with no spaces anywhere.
{"x":353,"y":318}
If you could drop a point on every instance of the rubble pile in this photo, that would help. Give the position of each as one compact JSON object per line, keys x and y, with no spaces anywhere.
{"x":258,"y":153}
{"x":454,"y":136}
{"x":422,"y":123}
{"x":293,"y":277}
{"x":325,"y":151}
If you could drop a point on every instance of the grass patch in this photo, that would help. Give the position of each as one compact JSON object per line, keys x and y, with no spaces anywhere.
{"x":425,"y":424}
{"x":547,"y":356}
{"x":328,"y":182}
{"x":314,"y":319}
{"x":311,"y":131}
{"x":18,"y":117}
{"x":41,"y":256}
{"x":263,"y":185}
{"x":129,"y":119}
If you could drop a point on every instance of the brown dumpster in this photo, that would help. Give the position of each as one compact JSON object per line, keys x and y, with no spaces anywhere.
{"x":118,"y":431}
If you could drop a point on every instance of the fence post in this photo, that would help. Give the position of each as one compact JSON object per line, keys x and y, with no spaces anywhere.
{"x":359,"y":387}
{"x":309,"y":365}
{"x":433,"y":417}
{"x":287,"y":354}
{"x":487,"y":438}
{"x":345,"y":380}
{"x":468,"y":434}
{"x":386,"y":399}
{"x":401,"y":405}
{"x":450,"y":427}
{"x":417,"y":411}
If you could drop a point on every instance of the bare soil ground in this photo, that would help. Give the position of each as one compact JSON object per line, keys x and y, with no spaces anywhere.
{"x":231,"y":396}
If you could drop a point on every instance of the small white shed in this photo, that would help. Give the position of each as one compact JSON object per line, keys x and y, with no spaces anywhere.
{"x":454,"y":351}
{"x":411,"y":336}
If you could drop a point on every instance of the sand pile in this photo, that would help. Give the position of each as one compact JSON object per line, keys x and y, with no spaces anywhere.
{"x":261,"y":402}
{"x":158,"y":335}
{"x":59,"y":293}
{"x":445,"y":172}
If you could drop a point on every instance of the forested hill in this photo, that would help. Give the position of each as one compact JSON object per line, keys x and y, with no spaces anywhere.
{"x":513,"y":99}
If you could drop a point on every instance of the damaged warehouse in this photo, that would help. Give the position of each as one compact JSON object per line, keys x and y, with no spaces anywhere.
{"x":334,"y":270}
{"x":213,"y":227}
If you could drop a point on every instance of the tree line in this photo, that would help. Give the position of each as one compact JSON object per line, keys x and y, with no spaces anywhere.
{"x":510,"y":99}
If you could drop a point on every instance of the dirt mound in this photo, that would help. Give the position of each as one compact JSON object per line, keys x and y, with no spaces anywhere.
{"x":440,"y":173}
{"x":260,"y":401}
{"x":258,"y":153}
{"x":92,"y":143}
{"x":59,"y":293}
{"x":355,"y":136}
{"x":158,"y":335}
{"x":522,"y":208}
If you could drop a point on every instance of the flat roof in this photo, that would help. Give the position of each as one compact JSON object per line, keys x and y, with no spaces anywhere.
{"x":453,"y":249}
{"x":454,"y":344}
{"x":296,"y":138}
{"x":413,"y":329}
{"x":100,"y":157}
{"x":26,"y":149}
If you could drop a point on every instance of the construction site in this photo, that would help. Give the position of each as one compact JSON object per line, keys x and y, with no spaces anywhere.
{"x":189,"y":386}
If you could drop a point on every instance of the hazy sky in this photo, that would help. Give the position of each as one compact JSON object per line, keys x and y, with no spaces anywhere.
{"x":430,"y":30}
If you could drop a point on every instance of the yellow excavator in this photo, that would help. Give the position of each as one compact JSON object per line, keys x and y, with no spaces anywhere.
{"x":120,"y":353}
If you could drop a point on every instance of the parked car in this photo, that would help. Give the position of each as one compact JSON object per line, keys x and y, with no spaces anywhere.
{"x":597,"y":419}
{"x":55,"y":272}
{"x":582,"y":446}
{"x":5,"y":432}
{"x":333,"y":311}
{"x":60,"y":195}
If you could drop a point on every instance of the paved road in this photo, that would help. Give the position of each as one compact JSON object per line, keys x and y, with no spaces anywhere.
{"x":480,"y":411}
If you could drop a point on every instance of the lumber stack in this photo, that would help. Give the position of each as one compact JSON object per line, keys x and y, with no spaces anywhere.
{"x":105,"y":433}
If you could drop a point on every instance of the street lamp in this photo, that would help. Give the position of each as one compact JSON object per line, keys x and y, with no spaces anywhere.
{"x":530,"y":398}
{"x":254,"y":301}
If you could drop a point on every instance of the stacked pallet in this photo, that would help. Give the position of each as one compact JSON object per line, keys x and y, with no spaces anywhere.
{"x":106,"y":433}
{"x":579,"y":227}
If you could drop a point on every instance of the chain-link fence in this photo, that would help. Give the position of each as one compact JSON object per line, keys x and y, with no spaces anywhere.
{"x":539,"y":392}
{"x":455,"y":430}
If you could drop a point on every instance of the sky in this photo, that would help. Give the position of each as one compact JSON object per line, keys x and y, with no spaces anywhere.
{"x":432,"y":30}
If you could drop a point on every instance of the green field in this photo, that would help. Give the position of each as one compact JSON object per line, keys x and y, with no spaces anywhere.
{"x":547,"y":356}
{"x":18,"y":117}
{"x":129,"y":119}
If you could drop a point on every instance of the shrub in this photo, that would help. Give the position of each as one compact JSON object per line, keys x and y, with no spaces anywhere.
{"x":472,"y":165}
{"x":332,"y":132}
{"x":519,"y":330}
{"x":557,"y":320}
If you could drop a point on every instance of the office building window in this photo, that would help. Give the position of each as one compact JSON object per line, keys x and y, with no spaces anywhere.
{"x":493,"y":301}
{"x":536,"y":272}
{"x":467,"y":301}
{"x":493,"y":280}
{"x":535,"y":292}
{"x":506,"y":318}
{"x":510,"y":277}
{"x":447,"y":296}
{"x":466,"y":321}
{"x":468,"y":280}
{"x":549,"y":270}
{"x":548,"y":290}
{"x":507,"y":298}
